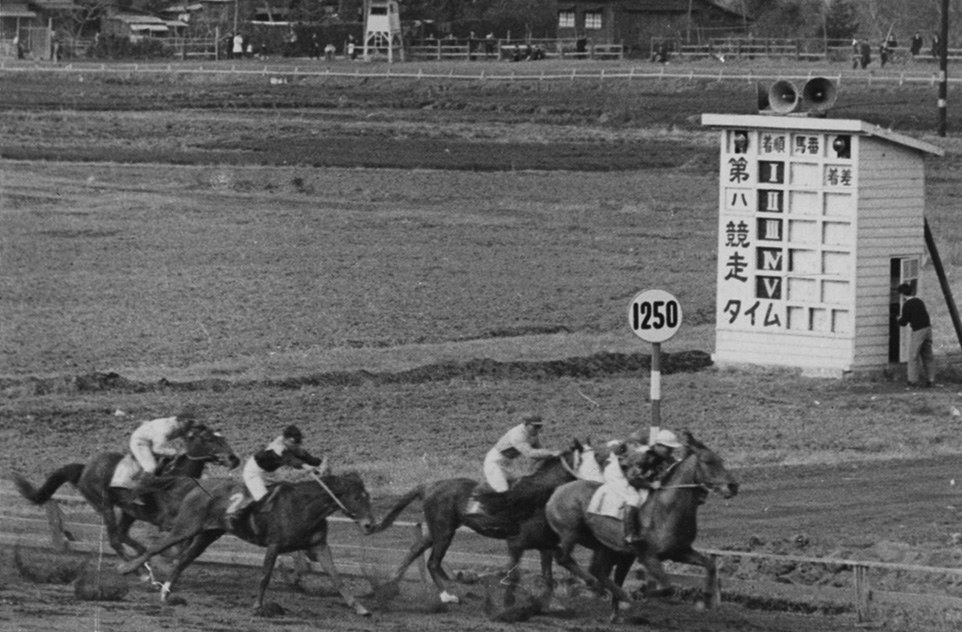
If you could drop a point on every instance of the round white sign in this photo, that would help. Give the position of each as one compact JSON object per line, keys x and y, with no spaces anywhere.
{"x":654,"y":315}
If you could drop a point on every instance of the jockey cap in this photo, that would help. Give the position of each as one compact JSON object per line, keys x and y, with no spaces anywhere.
{"x":532,"y":419}
{"x":668,"y":439}
{"x":293,"y":432}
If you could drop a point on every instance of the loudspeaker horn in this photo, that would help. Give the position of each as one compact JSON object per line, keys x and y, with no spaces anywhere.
{"x":819,"y":94}
{"x":783,"y":97}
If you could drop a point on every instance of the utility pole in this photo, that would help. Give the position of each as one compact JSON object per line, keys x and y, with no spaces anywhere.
{"x":944,"y":68}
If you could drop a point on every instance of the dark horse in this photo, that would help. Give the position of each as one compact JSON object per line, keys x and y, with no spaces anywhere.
{"x":516,"y":516}
{"x":177,"y":478}
{"x":668,"y":521}
{"x":294,"y":519}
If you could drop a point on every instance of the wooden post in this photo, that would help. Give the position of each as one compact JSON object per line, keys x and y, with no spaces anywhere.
{"x":943,"y":282}
{"x":863,"y":594}
{"x":55,"y":520}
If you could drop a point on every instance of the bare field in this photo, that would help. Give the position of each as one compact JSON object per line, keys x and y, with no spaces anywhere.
{"x":169,"y":240}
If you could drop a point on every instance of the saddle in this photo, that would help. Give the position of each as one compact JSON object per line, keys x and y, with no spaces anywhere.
{"x":248,"y":510}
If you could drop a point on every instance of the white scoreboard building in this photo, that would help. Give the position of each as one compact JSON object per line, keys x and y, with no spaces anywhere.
{"x":819,"y":221}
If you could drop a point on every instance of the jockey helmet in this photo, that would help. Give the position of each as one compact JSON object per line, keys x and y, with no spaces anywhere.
{"x":532,"y":419}
{"x":668,"y":439}
{"x":293,"y":432}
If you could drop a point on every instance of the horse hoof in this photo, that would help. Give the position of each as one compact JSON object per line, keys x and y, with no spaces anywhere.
{"x":447,"y":597}
{"x":362,"y":611}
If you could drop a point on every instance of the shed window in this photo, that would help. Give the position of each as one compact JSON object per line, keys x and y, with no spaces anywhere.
{"x":593,"y":20}
{"x":566,"y":19}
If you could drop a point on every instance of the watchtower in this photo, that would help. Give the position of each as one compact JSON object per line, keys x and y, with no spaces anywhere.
{"x":820,"y":220}
{"x":382,"y":31}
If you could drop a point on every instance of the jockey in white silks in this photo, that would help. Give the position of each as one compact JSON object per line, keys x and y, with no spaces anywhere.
{"x":151,"y":438}
{"x":522,"y":440}
{"x":651,"y":461}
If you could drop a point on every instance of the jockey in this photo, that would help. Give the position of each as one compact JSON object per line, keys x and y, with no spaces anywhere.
{"x":150,"y":439}
{"x":153,"y":438}
{"x":283,"y":450}
{"x":648,"y":468}
{"x":522,"y":440}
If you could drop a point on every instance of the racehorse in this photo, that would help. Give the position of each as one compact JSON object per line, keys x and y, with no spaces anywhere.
{"x":516,"y":516}
{"x":293,"y":518}
{"x":668,"y":520}
{"x":177,"y":478}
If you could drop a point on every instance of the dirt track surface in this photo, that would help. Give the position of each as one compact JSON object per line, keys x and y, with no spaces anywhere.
{"x":808,"y":512}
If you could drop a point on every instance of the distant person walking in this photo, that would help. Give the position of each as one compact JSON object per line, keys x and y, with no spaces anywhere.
{"x":921,"y":359}
{"x":915,"y":45}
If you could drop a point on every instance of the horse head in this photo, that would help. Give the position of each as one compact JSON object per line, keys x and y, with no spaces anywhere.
{"x":351,"y":496}
{"x":206,"y":444}
{"x":709,"y":469}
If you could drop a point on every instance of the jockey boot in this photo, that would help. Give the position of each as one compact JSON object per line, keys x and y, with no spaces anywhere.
{"x":632,"y":533}
{"x":238,"y":510}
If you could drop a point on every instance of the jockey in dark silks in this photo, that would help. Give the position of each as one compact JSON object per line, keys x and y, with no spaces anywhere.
{"x":645,"y":471}
{"x":283,"y":450}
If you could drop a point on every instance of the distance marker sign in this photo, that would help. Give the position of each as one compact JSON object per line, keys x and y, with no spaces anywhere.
{"x":654,"y":315}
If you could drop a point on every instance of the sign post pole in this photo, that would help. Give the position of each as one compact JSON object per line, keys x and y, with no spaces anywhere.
{"x":655,"y":393}
{"x":655,"y":316}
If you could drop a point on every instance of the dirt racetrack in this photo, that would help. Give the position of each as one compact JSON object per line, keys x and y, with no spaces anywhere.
{"x":451,"y":256}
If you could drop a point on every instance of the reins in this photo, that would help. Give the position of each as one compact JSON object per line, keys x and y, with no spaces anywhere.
{"x":683,"y":485}
{"x":337,"y":500}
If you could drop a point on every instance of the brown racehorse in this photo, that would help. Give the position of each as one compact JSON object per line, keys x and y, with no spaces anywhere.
{"x":175,"y":479}
{"x":668,"y":521}
{"x":516,"y":516}
{"x":294,"y":519}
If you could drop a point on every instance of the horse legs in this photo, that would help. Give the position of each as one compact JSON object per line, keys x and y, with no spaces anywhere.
{"x":416,"y":551}
{"x":322,"y":554}
{"x":547,"y":575}
{"x":437,"y":571}
{"x":123,"y":531}
{"x":654,"y":569}
{"x":564,"y":558}
{"x":622,"y":566}
{"x":267,"y":568}
{"x":711,"y":595}
{"x":175,"y":537}
{"x":197,"y":546}
{"x":602,"y":561}
{"x":118,"y":533}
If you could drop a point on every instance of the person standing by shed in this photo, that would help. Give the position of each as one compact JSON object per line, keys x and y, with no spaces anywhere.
{"x":921,"y":365}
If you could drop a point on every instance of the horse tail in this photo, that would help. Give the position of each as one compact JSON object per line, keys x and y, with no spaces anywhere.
{"x":415,"y":494}
{"x":66,"y":474}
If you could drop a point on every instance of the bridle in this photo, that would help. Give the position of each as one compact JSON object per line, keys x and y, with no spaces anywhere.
{"x":698,"y":485}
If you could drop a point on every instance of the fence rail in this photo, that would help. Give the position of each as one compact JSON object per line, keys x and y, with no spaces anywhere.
{"x":78,"y":529}
{"x":281,"y":73}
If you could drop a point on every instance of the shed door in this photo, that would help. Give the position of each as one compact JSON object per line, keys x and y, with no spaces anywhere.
{"x":903,"y":270}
